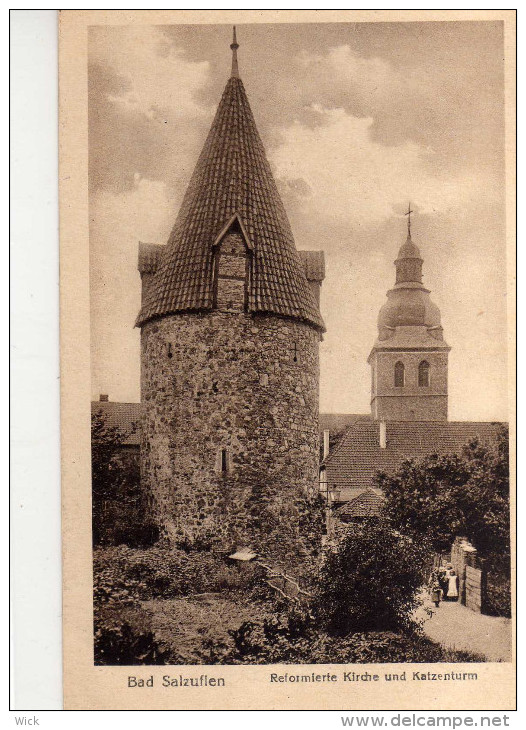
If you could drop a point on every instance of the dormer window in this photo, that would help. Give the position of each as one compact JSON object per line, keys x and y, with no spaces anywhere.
{"x":232,"y":268}
{"x":423,"y":374}
{"x":399,"y":375}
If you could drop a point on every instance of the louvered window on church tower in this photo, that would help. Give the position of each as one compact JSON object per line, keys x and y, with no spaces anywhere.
{"x":399,"y":375}
{"x":423,"y":374}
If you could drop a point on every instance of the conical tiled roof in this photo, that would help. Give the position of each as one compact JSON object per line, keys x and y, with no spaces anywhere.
{"x":232,"y":177}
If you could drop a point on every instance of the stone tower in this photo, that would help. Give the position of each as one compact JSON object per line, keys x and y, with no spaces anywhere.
{"x":230,"y":331}
{"x":409,"y":359}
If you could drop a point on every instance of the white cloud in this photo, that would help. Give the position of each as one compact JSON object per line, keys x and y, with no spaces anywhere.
{"x":119,"y":222}
{"x":362,"y":181}
{"x":160,"y":75}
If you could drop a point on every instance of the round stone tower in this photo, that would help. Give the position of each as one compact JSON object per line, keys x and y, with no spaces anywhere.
{"x":230,"y":332}
{"x":409,"y":360}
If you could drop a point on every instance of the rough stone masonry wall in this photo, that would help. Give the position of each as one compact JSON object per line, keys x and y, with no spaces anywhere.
{"x":244,"y":384}
{"x":471,"y":573}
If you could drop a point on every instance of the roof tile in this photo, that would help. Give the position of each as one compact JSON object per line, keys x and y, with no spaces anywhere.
{"x":232,"y":176}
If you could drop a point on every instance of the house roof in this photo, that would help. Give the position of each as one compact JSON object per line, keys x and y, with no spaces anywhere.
{"x":368,"y":503}
{"x":126,"y":416}
{"x":232,"y":181}
{"x":338,"y":421}
{"x":358,"y":457}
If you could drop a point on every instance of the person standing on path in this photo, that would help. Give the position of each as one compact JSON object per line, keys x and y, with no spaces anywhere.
{"x":452,"y":586}
{"x":435,"y":590}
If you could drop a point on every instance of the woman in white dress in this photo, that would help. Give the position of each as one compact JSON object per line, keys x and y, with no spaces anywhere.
{"x":452,"y":586}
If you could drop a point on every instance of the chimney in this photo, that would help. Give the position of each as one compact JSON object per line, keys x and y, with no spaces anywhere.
{"x":383,"y":434}
{"x":323,"y":479}
{"x":326,"y":434}
{"x":103,"y":398}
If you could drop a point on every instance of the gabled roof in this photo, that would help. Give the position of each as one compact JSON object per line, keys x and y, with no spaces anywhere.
{"x":358,"y":457}
{"x":368,"y":503}
{"x":338,"y":421}
{"x":126,"y":416}
{"x":232,"y":178}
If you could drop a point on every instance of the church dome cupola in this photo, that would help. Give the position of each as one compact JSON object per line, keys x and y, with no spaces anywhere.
{"x":409,"y":263}
{"x":409,"y":357}
{"x":408,"y":303}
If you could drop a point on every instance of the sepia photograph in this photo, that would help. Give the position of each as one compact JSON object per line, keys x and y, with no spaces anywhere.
{"x":299,"y":349}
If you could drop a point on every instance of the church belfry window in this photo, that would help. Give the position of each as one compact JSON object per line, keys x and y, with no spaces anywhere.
{"x":399,"y":375}
{"x":423,"y":374}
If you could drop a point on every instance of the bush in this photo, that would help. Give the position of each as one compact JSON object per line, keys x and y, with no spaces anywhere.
{"x":118,"y":645}
{"x":370,"y":581}
{"x":296,"y":639}
{"x":498,"y":597}
{"x":161,"y":572}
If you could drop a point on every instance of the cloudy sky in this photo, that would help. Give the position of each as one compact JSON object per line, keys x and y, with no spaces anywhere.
{"x":357,"y":119}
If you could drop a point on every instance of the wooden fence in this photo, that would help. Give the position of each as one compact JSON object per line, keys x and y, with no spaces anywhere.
{"x":471,"y":572}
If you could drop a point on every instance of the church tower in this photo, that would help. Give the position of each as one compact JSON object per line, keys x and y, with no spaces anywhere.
{"x":230,"y":332}
{"x":409,"y":359}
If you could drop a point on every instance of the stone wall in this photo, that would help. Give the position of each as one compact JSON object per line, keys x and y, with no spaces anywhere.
{"x":230,"y":436}
{"x":471,"y":573}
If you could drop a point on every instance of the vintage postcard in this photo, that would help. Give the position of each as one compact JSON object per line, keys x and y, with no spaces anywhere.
{"x":287,"y":341}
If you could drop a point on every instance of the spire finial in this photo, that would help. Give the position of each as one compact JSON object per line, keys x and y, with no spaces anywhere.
{"x":234,"y":46}
{"x":408,"y":214}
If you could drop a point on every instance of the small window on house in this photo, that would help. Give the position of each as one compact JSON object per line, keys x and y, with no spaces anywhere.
{"x":423,"y":374}
{"x":399,"y":375}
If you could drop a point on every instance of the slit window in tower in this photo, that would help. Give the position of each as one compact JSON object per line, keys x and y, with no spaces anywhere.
{"x":169,"y":350}
{"x":423,"y":374}
{"x":399,"y":375}
{"x":295,"y":352}
{"x":224,"y":461}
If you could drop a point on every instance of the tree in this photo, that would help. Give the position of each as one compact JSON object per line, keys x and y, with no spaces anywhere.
{"x":443,"y":496}
{"x":117,"y":502}
{"x":370,"y":581}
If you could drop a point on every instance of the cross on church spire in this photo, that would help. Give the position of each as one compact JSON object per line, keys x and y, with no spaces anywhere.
{"x":409,"y":211}
{"x":234,"y":46}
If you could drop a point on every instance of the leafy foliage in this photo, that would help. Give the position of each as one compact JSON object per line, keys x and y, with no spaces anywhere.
{"x":295,"y":638}
{"x":118,"y":645}
{"x":119,"y":508}
{"x":498,"y":596}
{"x":162,"y":572}
{"x":370,"y":581}
{"x":441,"y":497}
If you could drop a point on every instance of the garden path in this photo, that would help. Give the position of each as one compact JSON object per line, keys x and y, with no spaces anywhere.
{"x":458,"y":627}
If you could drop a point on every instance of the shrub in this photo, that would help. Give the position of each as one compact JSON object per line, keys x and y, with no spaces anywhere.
{"x":498,"y":597}
{"x":296,"y":639}
{"x":370,"y":581}
{"x":161,"y":572}
{"x":117,"y":645}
